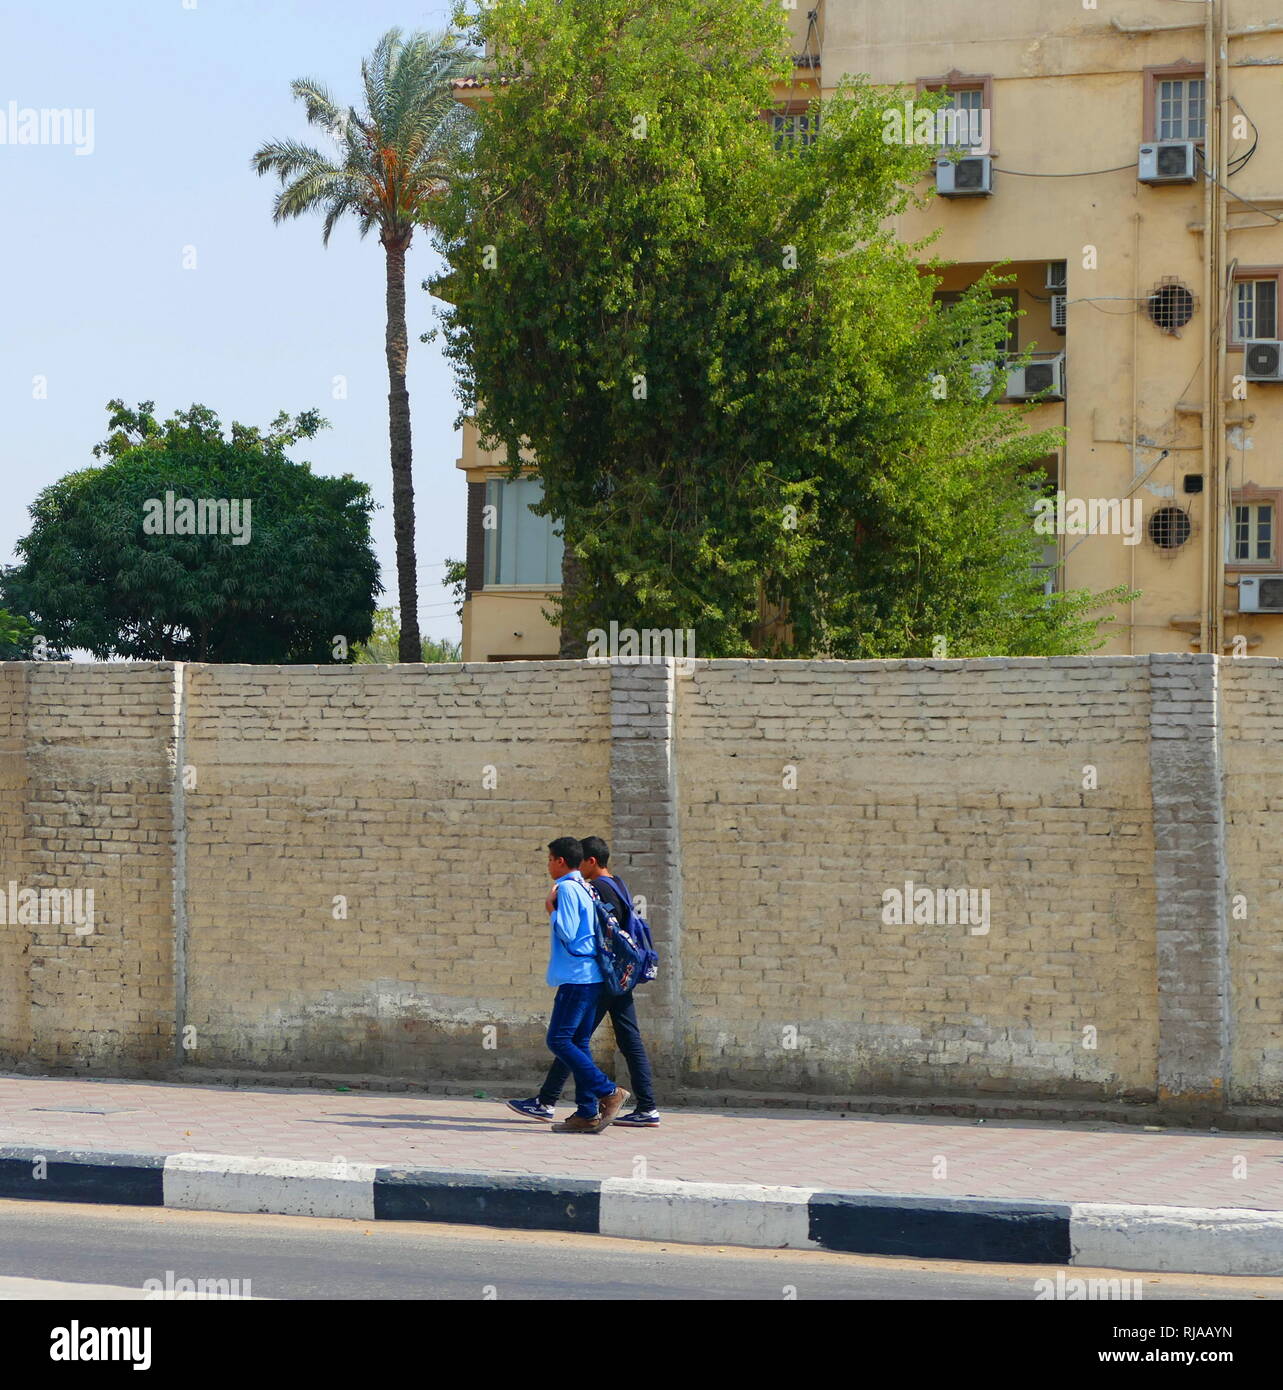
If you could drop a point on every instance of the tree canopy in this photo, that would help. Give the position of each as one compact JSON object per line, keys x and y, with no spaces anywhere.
{"x":17,"y":637}
{"x":749,"y":415}
{"x":275,"y":565}
{"x":384,"y":645}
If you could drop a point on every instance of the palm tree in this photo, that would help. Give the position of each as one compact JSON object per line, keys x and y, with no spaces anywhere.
{"x":394,"y":158}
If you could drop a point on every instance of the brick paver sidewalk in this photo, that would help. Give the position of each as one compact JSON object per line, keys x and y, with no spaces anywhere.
{"x":1046,"y":1161}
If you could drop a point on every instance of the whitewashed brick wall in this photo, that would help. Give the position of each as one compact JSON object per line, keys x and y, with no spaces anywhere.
{"x":341,"y":869}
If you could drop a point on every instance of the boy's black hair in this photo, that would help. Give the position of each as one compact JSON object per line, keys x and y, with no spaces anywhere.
{"x":595,"y":847}
{"x":568,"y":848}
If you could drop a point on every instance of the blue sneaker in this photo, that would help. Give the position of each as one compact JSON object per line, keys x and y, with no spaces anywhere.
{"x":531,"y":1109}
{"x":640,"y":1119}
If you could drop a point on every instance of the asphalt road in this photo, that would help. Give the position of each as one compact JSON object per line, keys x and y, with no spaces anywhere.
{"x":45,"y":1247}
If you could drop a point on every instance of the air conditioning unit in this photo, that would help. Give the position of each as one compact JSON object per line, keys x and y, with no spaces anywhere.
{"x":1263,"y":359}
{"x":1260,"y":593}
{"x":969,"y":177}
{"x":1169,"y":161}
{"x":1058,"y":276}
{"x":1059,"y":312}
{"x":1043,"y":380}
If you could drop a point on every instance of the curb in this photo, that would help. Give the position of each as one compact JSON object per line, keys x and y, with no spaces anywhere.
{"x":1164,"y":1239}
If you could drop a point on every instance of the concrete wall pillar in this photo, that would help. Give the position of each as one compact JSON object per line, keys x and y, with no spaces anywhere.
{"x":645,"y":837}
{"x":1190,"y":880}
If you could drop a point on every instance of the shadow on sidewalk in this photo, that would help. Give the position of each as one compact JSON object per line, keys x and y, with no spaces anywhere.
{"x":463,"y":1122}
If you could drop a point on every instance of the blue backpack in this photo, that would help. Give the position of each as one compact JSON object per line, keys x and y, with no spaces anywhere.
{"x":619,"y":956}
{"x":637,"y":928}
{"x":624,"y":953}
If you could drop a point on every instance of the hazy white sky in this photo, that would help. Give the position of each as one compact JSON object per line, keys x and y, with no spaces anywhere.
{"x":93,"y":293}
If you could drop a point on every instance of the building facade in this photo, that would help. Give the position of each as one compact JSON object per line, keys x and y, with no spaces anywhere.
{"x":1119,"y":161}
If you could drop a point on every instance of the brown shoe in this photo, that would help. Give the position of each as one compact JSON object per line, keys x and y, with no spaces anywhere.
{"x":611,"y":1105}
{"x":578,"y":1124}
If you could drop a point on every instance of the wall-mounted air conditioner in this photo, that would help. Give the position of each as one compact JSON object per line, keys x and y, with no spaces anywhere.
{"x":1058,"y":276}
{"x":1263,"y":359}
{"x":969,"y":177}
{"x":1169,"y":161}
{"x":1260,"y":593}
{"x":1042,"y":380}
{"x":1059,"y":312}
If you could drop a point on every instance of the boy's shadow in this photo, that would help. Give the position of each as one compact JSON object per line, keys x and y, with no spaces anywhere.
{"x":463,"y":1123}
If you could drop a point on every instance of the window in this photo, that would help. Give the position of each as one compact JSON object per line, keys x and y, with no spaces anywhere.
{"x":1253,"y":538}
{"x":1181,"y":113}
{"x":1255,"y":308}
{"x":520,"y":547}
{"x":950,"y":297}
{"x":794,"y":130}
{"x":1254,"y":532}
{"x":1251,"y":528}
{"x":968,"y":117}
{"x":1049,"y":570}
{"x":1171,"y":306}
{"x":1047,"y":471}
{"x":1170,"y":528}
{"x":1175,"y":103}
{"x":965,"y":129}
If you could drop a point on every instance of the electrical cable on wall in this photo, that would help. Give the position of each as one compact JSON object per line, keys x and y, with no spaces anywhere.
{"x":1239,"y":162}
{"x":810,"y":56}
{"x":1143,"y":478}
{"x":1077,"y":174}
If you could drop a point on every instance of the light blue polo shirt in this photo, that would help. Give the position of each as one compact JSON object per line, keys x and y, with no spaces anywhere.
{"x":572,"y":959}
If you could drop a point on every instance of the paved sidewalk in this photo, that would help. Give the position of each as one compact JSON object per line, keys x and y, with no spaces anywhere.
{"x":1045,"y":1162}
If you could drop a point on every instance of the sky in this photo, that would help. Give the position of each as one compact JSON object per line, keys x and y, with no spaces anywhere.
{"x":95,"y":298}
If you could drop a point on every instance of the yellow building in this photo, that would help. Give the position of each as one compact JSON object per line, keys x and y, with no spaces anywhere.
{"x":1122,"y":159}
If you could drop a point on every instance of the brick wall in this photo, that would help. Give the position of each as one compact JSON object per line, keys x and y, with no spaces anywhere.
{"x":807,"y":792}
{"x":87,"y":807}
{"x":366,"y":860}
{"x":1253,"y":743}
{"x":340,"y":870}
{"x":15,"y":964}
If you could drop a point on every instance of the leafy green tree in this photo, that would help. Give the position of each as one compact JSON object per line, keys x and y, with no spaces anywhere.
{"x":442,"y":650}
{"x":113,"y":562}
{"x":456,"y":580}
{"x":394,"y":159}
{"x":749,"y":416}
{"x":17,"y":637}
{"x":383,"y":647}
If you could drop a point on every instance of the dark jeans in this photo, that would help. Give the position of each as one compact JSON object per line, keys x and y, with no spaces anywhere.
{"x":574,"y":1016}
{"x":628,"y":1038}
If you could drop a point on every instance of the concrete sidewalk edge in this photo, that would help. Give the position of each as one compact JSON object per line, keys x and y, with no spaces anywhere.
{"x":1160,"y":1239}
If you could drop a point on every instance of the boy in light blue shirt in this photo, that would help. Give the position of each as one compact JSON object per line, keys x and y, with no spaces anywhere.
{"x":574,"y":973}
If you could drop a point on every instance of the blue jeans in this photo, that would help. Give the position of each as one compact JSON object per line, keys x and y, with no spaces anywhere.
{"x":623,"y":1018}
{"x":570,"y":1030}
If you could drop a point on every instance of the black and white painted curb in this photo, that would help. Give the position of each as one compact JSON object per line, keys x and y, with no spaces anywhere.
{"x":1190,"y":1240}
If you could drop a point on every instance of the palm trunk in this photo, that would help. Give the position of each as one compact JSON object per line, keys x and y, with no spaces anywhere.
{"x":574,"y":643}
{"x":409,"y":648}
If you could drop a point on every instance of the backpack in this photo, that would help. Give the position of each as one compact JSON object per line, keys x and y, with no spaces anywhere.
{"x":639,"y":930}
{"x":619,"y":956}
